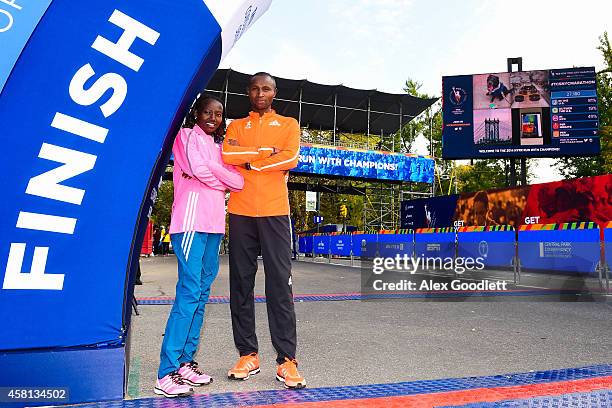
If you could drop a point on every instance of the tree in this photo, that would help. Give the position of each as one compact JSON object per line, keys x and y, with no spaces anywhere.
{"x":329,"y":204}
{"x":428,"y":125}
{"x":419,"y":125}
{"x":482,"y":175}
{"x":571,"y":167}
{"x":162,"y":210}
{"x":414,"y":128}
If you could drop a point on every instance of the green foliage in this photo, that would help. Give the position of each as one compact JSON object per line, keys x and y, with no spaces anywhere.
{"x":482,"y":175}
{"x":419,"y":125}
{"x":415,"y":127}
{"x":412,"y":87}
{"x":329,"y":207}
{"x":488,"y":174}
{"x":162,"y":210}
{"x":297,"y":205}
{"x":571,"y":167}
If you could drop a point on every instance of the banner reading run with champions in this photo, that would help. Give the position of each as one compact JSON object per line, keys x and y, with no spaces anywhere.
{"x":369,"y":164}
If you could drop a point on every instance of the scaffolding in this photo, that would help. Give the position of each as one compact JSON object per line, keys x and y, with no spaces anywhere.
{"x":339,"y":116}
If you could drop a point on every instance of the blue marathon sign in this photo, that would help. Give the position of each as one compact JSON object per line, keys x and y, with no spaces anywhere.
{"x":569,"y":247}
{"x":320,"y":244}
{"x":305,"y":244}
{"x":608,"y":244}
{"x":340,"y":244}
{"x":435,"y":242}
{"x":94,"y":93}
{"x":362,"y":242}
{"x":391,"y":243}
{"x":495,"y":245}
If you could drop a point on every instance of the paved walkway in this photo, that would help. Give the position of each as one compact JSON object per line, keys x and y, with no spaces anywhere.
{"x":386,"y":352}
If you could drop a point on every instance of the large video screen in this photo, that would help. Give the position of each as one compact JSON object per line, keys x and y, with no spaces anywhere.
{"x":546,"y":113}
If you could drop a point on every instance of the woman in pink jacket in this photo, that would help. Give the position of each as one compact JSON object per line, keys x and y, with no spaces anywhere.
{"x":197,"y":227}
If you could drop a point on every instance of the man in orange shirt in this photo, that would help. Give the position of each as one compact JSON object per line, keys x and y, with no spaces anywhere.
{"x":266,"y":146}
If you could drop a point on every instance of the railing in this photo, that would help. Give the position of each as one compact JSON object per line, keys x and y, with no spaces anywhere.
{"x":565,"y":254}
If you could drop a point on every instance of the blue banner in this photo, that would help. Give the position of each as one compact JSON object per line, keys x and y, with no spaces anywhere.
{"x":320,"y":244}
{"x":368,"y":164}
{"x":575,"y":251}
{"x":434,"y":245}
{"x":361,"y":240}
{"x":305,"y":244}
{"x":390,"y":245}
{"x":608,"y":245}
{"x":67,"y":368}
{"x":496,"y":248}
{"x":458,"y":115}
{"x":340,"y":244}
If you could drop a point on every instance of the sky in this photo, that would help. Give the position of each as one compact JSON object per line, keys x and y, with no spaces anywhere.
{"x":379,"y":44}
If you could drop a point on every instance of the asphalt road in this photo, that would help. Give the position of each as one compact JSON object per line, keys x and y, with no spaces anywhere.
{"x":365,"y":342}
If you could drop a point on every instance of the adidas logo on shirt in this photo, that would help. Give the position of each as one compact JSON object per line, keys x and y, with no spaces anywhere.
{"x":248,"y":125}
{"x":274,"y":123}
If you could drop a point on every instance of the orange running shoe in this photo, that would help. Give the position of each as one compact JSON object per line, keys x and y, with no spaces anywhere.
{"x":245,"y":366}
{"x":288,"y":374}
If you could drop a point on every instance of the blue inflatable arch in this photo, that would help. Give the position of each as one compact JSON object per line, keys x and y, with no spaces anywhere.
{"x":92,"y":94}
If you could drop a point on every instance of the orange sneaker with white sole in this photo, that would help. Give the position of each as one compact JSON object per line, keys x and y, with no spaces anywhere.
{"x":289,"y":374}
{"x":245,"y":367}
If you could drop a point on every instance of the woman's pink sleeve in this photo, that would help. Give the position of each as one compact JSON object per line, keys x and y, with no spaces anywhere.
{"x":200,"y":168}
{"x":228,"y":175}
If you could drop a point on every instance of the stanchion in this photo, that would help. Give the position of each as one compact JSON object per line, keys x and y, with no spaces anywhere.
{"x":516,"y":265}
{"x":135,"y":305}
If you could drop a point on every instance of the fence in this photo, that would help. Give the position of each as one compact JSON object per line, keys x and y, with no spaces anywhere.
{"x":580,"y":248}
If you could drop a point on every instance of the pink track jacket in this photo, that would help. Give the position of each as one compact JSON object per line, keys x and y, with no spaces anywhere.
{"x":199,"y":201}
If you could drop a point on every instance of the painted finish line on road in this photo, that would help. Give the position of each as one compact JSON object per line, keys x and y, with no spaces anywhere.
{"x":577,"y":387}
{"x":167,"y":300}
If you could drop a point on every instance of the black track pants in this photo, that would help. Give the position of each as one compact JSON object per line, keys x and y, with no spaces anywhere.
{"x":271,"y":235}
